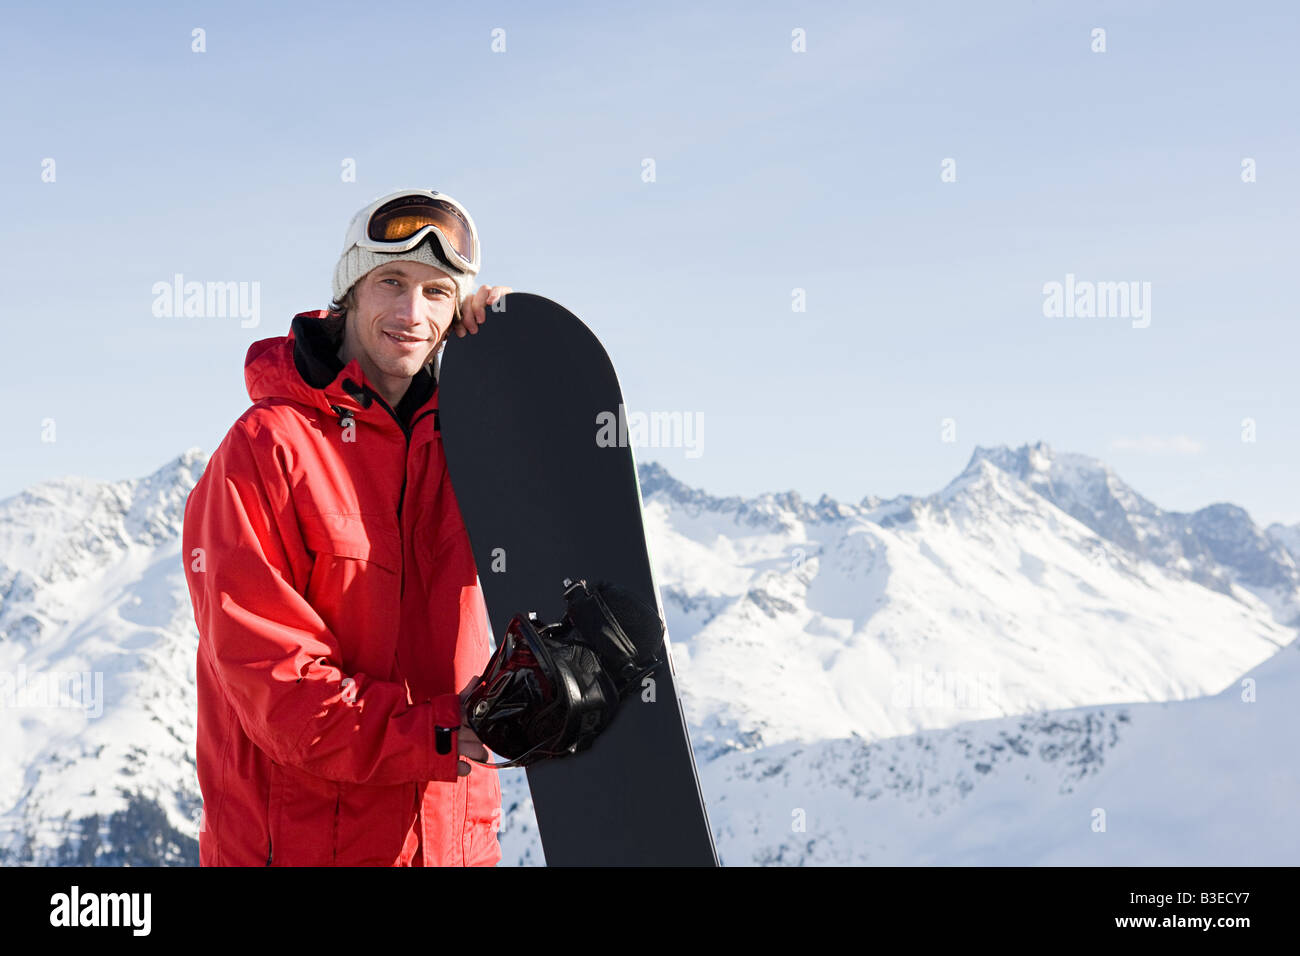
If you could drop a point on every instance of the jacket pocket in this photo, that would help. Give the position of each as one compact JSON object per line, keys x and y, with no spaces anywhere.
{"x":373,"y":823}
{"x":364,"y":537}
{"x":355,"y":585}
{"x":302,"y":811}
{"x":272,"y":808}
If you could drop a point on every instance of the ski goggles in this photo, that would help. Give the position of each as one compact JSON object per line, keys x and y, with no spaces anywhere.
{"x":402,"y":220}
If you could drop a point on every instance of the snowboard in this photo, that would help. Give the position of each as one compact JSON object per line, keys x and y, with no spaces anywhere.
{"x":546,"y":495}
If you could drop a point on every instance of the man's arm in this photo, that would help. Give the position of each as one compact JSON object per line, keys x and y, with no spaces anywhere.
{"x":273,"y":655}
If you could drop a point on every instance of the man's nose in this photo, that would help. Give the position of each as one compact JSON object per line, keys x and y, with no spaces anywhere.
{"x":409,"y":305}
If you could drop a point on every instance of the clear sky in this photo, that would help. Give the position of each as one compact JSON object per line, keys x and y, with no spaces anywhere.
{"x":775,"y":170}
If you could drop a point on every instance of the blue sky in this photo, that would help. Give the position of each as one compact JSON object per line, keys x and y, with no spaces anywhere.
{"x":775,"y":170}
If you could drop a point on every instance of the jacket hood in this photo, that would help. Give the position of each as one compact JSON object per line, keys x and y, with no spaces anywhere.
{"x":304,"y":367}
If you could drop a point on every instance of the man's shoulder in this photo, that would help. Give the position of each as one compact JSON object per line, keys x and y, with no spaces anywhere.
{"x":275,"y":410}
{"x":269,"y":424}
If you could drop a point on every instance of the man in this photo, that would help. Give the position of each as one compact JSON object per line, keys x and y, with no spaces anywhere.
{"x":341,"y":623}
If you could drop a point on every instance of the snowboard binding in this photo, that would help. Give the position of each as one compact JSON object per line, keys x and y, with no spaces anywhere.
{"x":550,"y":690}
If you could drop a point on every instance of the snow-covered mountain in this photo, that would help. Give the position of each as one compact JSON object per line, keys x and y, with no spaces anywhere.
{"x":1032,"y":581}
{"x":97,"y":648}
{"x":965,"y":677}
{"x":1288,"y":536}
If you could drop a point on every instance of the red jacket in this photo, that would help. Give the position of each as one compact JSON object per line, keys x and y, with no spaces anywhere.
{"x":339,"y":613}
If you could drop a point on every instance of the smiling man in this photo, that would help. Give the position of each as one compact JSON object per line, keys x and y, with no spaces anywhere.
{"x":394,"y":332}
{"x":341,"y":622}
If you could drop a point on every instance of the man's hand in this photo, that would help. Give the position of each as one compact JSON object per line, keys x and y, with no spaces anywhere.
{"x":469,"y":744}
{"x":474,"y":310}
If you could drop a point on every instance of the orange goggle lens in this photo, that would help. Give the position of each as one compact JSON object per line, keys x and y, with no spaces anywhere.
{"x":402,"y":218}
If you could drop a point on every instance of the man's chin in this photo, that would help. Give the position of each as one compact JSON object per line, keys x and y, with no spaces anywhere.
{"x":404,"y":366}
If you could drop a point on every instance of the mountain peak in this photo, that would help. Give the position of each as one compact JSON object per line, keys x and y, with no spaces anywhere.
{"x":1024,"y":462}
{"x":772,"y":509}
{"x":184,"y":469}
{"x":65,"y":528}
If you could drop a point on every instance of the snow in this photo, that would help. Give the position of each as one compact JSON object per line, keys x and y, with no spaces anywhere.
{"x":965,"y":677}
{"x":1203,"y":782}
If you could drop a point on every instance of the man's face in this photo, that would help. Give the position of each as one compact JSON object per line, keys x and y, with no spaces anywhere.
{"x":402,"y":312}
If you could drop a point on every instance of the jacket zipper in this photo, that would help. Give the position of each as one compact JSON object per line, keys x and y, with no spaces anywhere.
{"x":401,"y":498}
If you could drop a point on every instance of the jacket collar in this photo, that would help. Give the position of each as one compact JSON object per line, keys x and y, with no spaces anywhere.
{"x":304,"y":367}
{"x":316,"y":360}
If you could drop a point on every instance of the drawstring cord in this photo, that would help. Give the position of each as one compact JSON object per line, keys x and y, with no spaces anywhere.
{"x":346,"y":416}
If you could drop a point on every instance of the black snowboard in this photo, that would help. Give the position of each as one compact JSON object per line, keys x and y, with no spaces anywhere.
{"x":518,"y":405}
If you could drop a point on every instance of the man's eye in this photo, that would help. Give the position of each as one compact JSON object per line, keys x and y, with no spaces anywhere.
{"x":438,"y":289}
